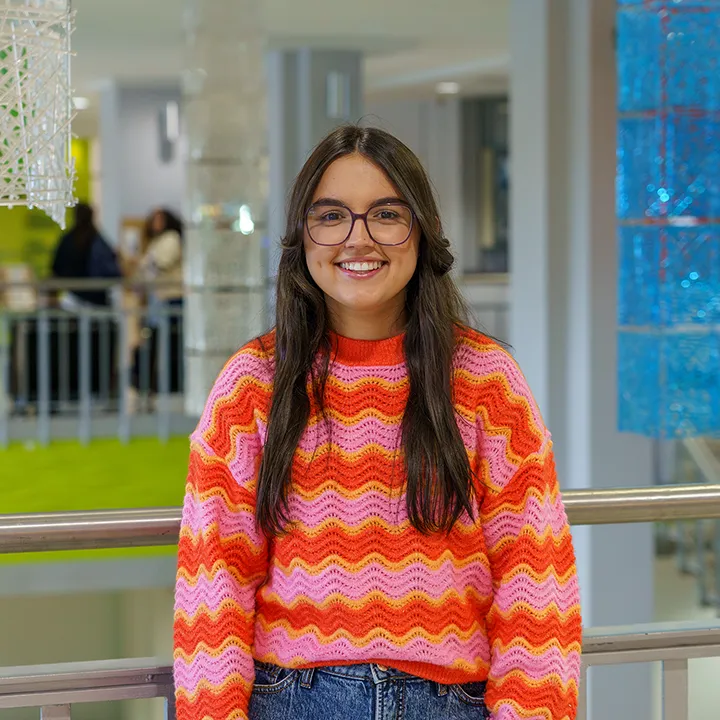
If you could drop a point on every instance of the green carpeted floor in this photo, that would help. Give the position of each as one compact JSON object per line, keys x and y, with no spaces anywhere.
{"x":102,"y":475}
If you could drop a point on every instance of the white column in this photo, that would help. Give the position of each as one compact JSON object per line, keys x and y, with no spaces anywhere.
{"x":563,"y":301}
{"x":227,"y":187}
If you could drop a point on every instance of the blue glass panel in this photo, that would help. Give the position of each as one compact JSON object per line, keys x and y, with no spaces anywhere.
{"x":691,"y":392}
{"x":668,"y":5}
{"x":640,"y":186}
{"x":669,"y":385}
{"x":639,"y":288}
{"x":638,"y":383}
{"x":638,"y":67}
{"x":690,"y":276}
{"x":691,"y":49}
{"x":693,"y":164}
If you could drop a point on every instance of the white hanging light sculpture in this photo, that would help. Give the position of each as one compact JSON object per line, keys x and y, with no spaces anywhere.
{"x":36,"y":109}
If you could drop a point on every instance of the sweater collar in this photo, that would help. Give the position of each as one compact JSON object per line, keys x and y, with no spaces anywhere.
{"x":367,"y":352}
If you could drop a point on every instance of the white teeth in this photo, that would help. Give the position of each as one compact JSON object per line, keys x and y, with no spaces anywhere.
{"x":361,"y":266}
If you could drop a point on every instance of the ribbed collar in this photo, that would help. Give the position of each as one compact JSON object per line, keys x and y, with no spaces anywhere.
{"x":368,"y":352}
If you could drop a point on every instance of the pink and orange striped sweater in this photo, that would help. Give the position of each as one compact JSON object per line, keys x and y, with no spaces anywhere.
{"x":352,"y":581}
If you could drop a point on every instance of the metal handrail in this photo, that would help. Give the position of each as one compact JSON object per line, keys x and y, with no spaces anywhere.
{"x":57,"y":687}
{"x":103,"y":529}
{"x":69,"y":284}
{"x":70,"y":683}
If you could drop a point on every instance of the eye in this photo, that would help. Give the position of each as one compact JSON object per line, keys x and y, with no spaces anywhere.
{"x":329,"y":217}
{"x":390,"y":215}
{"x":386,"y":215}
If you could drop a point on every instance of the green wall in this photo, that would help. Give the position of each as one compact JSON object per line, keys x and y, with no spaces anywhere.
{"x":105,"y":474}
{"x":29,"y":236}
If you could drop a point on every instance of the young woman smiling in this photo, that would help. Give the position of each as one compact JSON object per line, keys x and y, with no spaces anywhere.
{"x":372,"y":526}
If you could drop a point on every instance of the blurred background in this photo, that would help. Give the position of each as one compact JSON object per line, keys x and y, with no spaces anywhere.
{"x":574,"y":146}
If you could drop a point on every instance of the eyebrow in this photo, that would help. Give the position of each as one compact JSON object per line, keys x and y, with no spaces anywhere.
{"x":334,"y":202}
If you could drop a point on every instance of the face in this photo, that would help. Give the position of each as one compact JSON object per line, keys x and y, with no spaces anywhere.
{"x":157,"y":223}
{"x":361,"y":277}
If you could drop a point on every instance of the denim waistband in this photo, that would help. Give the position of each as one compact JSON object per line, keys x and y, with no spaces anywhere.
{"x":366,"y":672}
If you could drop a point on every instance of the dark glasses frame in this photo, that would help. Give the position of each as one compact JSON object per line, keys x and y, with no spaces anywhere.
{"x":360,"y":216}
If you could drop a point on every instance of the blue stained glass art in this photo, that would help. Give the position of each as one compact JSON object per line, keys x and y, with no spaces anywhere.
{"x":668,"y":210}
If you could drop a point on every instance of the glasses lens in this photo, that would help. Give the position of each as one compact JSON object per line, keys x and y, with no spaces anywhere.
{"x":387,"y":224}
{"x":390,"y":224}
{"x":329,"y":225}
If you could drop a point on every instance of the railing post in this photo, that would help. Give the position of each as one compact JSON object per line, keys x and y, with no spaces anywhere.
{"x":716,"y":564}
{"x":5,"y":401}
{"x":63,"y":362}
{"x":104,"y":327}
{"x":42,"y":335}
{"x":675,"y":689}
{"x":124,"y":361}
{"x":85,"y":370}
{"x":55,"y":712}
{"x":582,"y":693}
{"x":170,"y":713}
{"x":163,"y":375}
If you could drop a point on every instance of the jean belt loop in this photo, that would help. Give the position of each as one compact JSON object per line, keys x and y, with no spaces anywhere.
{"x":306,"y":678}
{"x":442,"y":690}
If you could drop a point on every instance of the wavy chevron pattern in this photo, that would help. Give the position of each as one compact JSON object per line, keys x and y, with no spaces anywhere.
{"x":351,"y":581}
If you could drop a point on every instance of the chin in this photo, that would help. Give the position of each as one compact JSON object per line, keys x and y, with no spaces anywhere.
{"x":360,"y":304}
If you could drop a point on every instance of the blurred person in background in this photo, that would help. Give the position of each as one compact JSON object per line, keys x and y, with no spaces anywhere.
{"x":160,"y":264}
{"x":372,"y":523}
{"x":83,"y":253}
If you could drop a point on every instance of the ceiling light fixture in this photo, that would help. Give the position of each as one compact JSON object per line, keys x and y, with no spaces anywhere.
{"x":81,"y":103}
{"x":447,"y":88}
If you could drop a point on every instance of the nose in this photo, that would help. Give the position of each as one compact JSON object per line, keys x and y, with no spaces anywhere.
{"x":359,"y":236}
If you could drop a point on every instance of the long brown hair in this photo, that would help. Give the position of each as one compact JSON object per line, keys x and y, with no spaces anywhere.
{"x":437,"y":468}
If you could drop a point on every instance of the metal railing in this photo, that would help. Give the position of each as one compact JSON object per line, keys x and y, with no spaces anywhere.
{"x":55,"y":688}
{"x":154,"y":527}
{"x":85,"y":371}
{"x":672,"y":644}
{"x":76,"y":369}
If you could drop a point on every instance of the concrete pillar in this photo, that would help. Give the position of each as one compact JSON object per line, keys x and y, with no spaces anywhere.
{"x":227,"y":187}
{"x":563,"y":301}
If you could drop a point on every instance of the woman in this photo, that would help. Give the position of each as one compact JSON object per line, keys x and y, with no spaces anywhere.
{"x":83,"y":253}
{"x":372,"y":526}
{"x":161,"y":261}
{"x":160,"y":264}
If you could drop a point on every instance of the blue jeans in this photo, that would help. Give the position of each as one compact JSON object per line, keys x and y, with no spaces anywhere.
{"x":360,"y":692}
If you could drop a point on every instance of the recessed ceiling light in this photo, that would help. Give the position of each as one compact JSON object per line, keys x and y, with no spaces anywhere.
{"x":81,"y":103}
{"x":447,"y":88}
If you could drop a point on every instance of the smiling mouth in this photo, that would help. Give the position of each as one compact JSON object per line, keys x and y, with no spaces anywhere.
{"x":362,"y":268}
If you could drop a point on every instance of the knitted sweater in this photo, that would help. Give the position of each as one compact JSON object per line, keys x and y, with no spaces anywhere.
{"x":352,"y":581}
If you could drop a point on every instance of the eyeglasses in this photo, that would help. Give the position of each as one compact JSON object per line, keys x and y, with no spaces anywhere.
{"x":386,"y":223}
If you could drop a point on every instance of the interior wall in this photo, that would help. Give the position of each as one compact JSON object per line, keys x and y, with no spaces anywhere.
{"x":134,"y":178}
{"x":432,"y":130}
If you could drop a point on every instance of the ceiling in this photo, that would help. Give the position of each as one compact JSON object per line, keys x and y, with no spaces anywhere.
{"x":410,"y":46}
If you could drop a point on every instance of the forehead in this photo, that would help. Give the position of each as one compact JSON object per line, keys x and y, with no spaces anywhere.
{"x":356,"y":181}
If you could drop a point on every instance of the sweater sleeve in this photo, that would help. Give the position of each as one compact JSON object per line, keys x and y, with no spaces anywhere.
{"x":222,"y":556}
{"x":534,"y":625}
